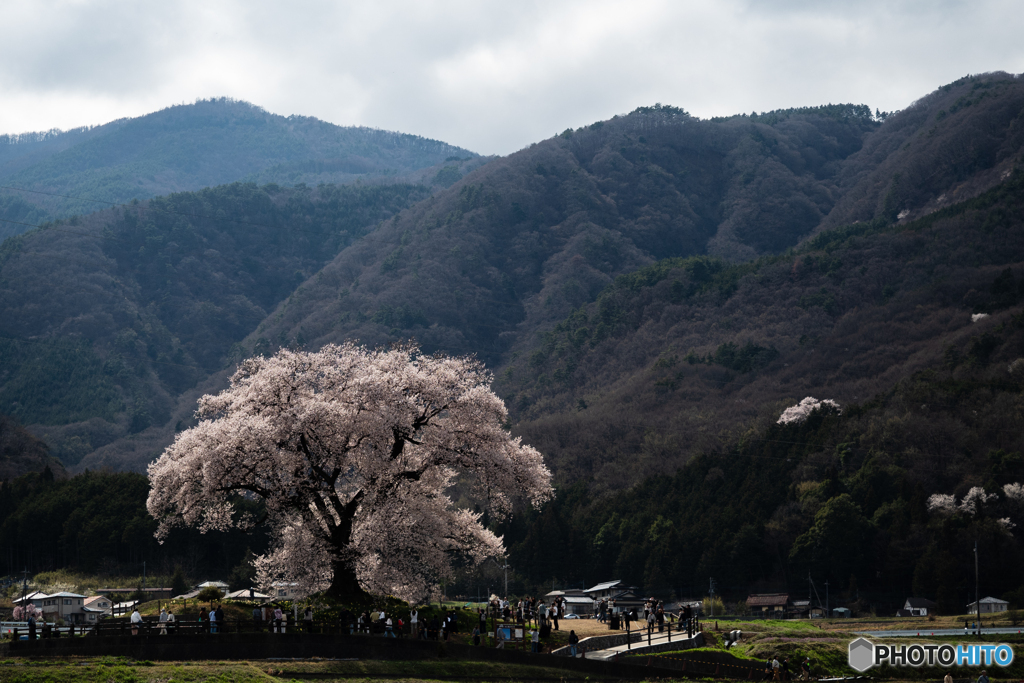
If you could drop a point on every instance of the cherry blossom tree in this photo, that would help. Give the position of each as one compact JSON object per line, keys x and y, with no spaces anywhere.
{"x":802,"y":410}
{"x":354,"y":453}
{"x":23,"y":613}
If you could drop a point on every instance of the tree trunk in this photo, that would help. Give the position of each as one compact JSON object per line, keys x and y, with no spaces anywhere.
{"x":344,"y":584}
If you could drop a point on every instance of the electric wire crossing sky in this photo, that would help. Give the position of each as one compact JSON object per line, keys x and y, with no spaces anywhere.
{"x":863,"y":654}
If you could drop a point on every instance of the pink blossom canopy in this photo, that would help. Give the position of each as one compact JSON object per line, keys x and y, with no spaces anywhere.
{"x":353,"y":452}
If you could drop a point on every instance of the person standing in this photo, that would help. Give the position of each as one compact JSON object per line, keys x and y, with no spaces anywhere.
{"x":170,"y":622}
{"x":32,"y":626}
{"x":554,"y":614}
{"x":163,"y":621}
{"x":213,"y":621}
{"x":221,"y":624}
{"x":534,"y":640}
{"x":776,"y":668}
{"x":476,"y":635}
{"x":278,"y":618}
{"x":805,"y":669}
{"x":573,"y":641}
{"x":257,"y":619}
{"x":307,"y":619}
{"x":983,"y":678}
{"x":414,"y":622}
{"x":948,"y":678}
{"x":136,"y":620}
{"x":389,"y":629}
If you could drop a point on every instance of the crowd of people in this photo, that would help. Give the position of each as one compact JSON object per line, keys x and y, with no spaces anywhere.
{"x":776,"y":669}
{"x":529,"y":611}
{"x":394,"y":626}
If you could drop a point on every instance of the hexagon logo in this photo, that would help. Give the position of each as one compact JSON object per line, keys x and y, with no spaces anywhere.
{"x":862,"y":654}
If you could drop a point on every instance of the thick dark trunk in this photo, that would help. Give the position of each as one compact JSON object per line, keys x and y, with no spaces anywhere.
{"x":344,"y":585}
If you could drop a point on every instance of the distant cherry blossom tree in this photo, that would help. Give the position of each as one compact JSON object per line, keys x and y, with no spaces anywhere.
{"x":978,"y":503}
{"x":802,"y":410}
{"x":945,"y":503}
{"x":20,"y":613}
{"x":353,"y":453}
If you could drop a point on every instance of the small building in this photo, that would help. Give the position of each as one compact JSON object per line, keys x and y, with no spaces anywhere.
{"x":214,"y":584}
{"x":607,"y":589}
{"x":579,"y":604}
{"x":989,"y":605}
{"x":250,"y":594}
{"x":768,"y":605}
{"x":283,"y":590}
{"x":841,"y":612}
{"x":101,"y":603}
{"x":33,"y":597}
{"x":68,"y":607}
{"x":917,"y":607}
{"x":121,"y":594}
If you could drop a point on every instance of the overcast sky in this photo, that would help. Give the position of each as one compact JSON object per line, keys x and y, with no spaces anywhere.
{"x":489,"y":76}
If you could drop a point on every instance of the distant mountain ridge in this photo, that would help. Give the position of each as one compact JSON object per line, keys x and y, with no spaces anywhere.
{"x":501,"y":264}
{"x":188,"y":147}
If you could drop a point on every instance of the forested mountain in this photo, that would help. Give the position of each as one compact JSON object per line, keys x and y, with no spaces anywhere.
{"x":189,"y":147}
{"x":916,"y":329}
{"x":20,"y":452}
{"x":673,"y":357}
{"x":652,"y":292}
{"x":97,"y":523}
{"x":948,"y":146}
{"x":105,"y":321}
{"x":516,"y":245}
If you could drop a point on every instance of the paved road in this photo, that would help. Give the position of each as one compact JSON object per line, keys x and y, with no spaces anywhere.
{"x":937,"y":632}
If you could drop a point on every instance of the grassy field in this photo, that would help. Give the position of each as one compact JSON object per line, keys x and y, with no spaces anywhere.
{"x":110,"y":670}
{"x":827,"y":642}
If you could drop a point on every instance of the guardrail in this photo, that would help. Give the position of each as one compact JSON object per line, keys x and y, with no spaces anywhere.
{"x":15,"y":629}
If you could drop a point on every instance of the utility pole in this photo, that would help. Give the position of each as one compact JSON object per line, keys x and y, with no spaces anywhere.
{"x":977,"y":594}
{"x":826,"y":598}
{"x":712,"y":591}
{"x":506,"y":567}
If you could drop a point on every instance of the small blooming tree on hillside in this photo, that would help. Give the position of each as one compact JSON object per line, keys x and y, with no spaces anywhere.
{"x":976,"y":501}
{"x":802,"y":410}
{"x":352,"y":452}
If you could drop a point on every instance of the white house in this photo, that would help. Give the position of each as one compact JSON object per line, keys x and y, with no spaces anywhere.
{"x":102,"y":603}
{"x":282,"y":590}
{"x":917,"y":607}
{"x":247,"y":594}
{"x":988,"y":606}
{"x":34,"y":597}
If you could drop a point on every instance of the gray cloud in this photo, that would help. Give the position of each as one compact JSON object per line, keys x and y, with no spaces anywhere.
{"x":489,"y":76}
